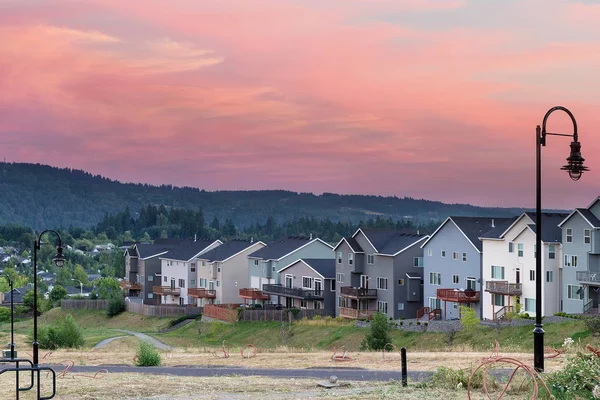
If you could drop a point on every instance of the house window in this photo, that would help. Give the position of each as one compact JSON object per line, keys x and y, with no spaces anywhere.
{"x":332,"y":287}
{"x":549,"y":276}
{"x":569,"y":235}
{"x":339,"y":301}
{"x":340,"y":277}
{"x":317,"y":304}
{"x":464,"y":256}
{"x":520,"y":250}
{"x":370,"y":258}
{"x":400,"y":306}
{"x":165,"y":279}
{"x":150,"y":295}
{"x":204,"y":263}
{"x":443,"y":253}
{"x":255,"y":262}
{"x":529,"y":305}
{"x":429,"y":253}
{"x":202,"y":283}
{"x":471,"y":281}
{"x":498,"y":300}
{"x":219,"y":267}
{"x":532,"y":274}
{"x":193,"y":267}
{"x":570,"y":260}
{"x":181,"y":283}
{"x":192,"y":283}
{"x":551,"y":252}
{"x":307,"y":282}
{"x":435,"y":303}
{"x":511,"y":247}
{"x":382,"y":283}
{"x":435,"y":278}
{"x":218,"y":283}
{"x":400,"y":282}
{"x":302,"y":303}
{"x":350,"y":258}
{"x":150,"y":278}
{"x":418,"y":262}
{"x":497,"y":272}
{"x":382,"y":306}
{"x":455,"y":255}
{"x":455,"y":279}
{"x":339,"y":257}
{"x":575,"y":292}
{"x":587,"y":236}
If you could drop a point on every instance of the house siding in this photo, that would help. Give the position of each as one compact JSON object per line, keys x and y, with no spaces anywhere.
{"x":404,"y":264}
{"x":299,"y":270}
{"x":233,"y":275}
{"x":585,"y":261}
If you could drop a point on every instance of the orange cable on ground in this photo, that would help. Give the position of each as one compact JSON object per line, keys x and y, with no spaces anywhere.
{"x":343,"y":357}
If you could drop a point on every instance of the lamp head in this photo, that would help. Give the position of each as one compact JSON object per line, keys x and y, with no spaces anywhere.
{"x":59,"y":259}
{"x":574,"y":164}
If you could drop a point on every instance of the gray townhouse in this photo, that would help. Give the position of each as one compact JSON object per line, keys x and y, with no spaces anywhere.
{"x":580,"y":285}
{"x":306,"y":283}
{"x":379,"y":270}
{"x":452,"y":262}
{"x":264,"y":263}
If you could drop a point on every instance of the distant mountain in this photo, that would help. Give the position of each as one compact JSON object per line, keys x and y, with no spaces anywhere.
{"x":41,"y":196}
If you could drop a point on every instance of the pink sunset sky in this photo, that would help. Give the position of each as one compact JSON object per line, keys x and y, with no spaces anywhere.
{"x":431,"y":99}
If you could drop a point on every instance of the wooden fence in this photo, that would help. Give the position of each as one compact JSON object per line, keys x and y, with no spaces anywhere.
{"x":83,"y":304}
{"x":223,"y":312}
{"x":281,"y":315}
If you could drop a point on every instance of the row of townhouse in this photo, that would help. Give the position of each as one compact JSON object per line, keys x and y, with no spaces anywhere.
{"x":489,"y":264}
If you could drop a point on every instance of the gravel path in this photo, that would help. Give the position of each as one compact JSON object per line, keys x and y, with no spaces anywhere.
{"x":106,"y":341}
{"x":148,"y":339}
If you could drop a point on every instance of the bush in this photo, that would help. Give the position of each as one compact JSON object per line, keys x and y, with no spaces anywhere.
{"x":64,"y":333}
{"x":593,"y":324}
{"x":4,"y":314}
{"x":448,"y":378}
{"x":328,"y":319}
{"x":317,"y":317}
{"x":468,"y":318}
{"x":378,"y":335}
{"x":147,"y":356}
{"x":578,"y":379}
{"x":115,"y":305}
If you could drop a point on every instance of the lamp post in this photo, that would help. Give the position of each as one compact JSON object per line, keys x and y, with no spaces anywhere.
{"x":575,"y":168}
{"x":12,"y":316}
{"x":59,"y":260}
{"x":80,"y":286}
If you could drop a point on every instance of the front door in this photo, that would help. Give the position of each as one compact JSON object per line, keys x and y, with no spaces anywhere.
{"x":318,"y":287}
{"x":289,"y":281}
{"x":518,"y":275}
{"x":364,"y":281}
{"x":211,"y":285}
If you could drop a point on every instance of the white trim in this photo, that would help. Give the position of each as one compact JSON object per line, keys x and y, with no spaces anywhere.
{"x":593,"y":202}
{"x":436,"y":231}
{"x":195,"y":255}
{"x":301,"y":247}
{"x":406,"y":248}
{"x":349,"y":245}
{"x":582,"y":216}
{"x":305,"y":263}
{"x":154,"y":255}
{"x":366,"y":237}
{"x":514,"y":223}
{"x":241,"y":251}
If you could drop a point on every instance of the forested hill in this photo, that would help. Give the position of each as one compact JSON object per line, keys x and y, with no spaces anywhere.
{"x":42,"y":196}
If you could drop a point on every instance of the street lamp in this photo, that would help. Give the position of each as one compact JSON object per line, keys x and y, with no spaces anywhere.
{"x":80,"y":286}
{"x":59,"y":260}
{"x":575,"y":168}
{"x":12,"y":316}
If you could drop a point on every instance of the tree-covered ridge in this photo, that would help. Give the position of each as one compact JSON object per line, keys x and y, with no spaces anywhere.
{"x":41,"y":196}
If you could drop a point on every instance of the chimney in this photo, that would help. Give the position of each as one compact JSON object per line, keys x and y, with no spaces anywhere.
{"x":417,"y":232}
{"x":251,"y":239}
{"x":311,"y":236}
{"x":493,"y":225}
{"x":195,"y":238}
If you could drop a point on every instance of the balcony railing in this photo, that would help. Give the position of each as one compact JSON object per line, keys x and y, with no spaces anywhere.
{"x":127,"y":285}
{"x":587,"y":276}
{"x":280,"y":290}
{"x":358,"y":293}
{"x":166,"y":290}
{"x":458,"y":296}
{"x":503,"y":287}
{"x":353,"y":313}
{"x":253,"y":294}
{"x":202,"y":293}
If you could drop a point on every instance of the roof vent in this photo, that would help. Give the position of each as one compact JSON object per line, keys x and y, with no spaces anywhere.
{"x":310,"y":236}
{"x":493,"y":225}
{"x":251,"y":239}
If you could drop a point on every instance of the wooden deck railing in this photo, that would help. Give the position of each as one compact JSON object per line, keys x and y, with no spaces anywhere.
{"x":202,"y":293}
{"x":166,"y":290}
{"x":458,"y":296}
{"x":349,"y":291}
{"x":503,"y":287}
{"x":127,"y":285}
{"x":279,"y":289}
{"x":252,"y":294}
{"x":353,"y":313}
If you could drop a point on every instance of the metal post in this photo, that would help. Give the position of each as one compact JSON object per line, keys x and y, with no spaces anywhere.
{"x":404,"y":372}
{"x":35,"y":340}
{"x":538,"y":331}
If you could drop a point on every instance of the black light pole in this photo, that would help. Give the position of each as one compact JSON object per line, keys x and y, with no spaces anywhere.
{"x":59,"y":260}
{"x":12,"y":316}
{"x":575,"y":168}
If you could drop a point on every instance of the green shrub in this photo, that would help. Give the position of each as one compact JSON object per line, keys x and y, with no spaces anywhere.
{"x":147,"y":356}
{"x":115,"y":305}
{"x":328,"y":319}
{"x":64,"y":333}
{"x":578,"y":379}
{"x":448,"y":378}
{"x":468,"y":318}
{"x":4,"y":314}
{"x":339,"y":319}
{"x":593,"y":324}
{"x":378,"y":335}
{"x":317,"y":317}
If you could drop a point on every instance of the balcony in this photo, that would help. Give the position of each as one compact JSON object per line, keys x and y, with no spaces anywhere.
{"x":298,"y":293}
{"x":166,"y":290}
{"x":458,"y":296}
{"x":202,"y":293}
{"x":353,"y":313}
{"x":252,"y":294}
{"x":358,"y":293}
{"x":503,"y":287}
{"x":127,"y":285}
{"x":589,"y":277}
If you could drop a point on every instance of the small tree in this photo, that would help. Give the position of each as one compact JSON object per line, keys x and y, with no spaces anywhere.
{"x":115,"y":305}
{"x":58,"y":293}
{"x":378,"y":335}
{"x":468,"y":318}
{"x":28,"y":301}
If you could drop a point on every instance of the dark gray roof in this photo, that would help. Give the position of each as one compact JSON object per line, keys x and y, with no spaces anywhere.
{"x":188,"y":249}
{"x":281,"y":247}
{"x":324,"y":266}
{"x":550,"y":230}
{"x":18,"y":294}
{"x":77,"y":290}
{"x":391,"y":241}
{"x":131,"y":252}
{"x":495,"y":233}
{"x":354,"y":245}
{"x":226,"y":250}
{"x":590,"y":217}
{"x":475,"y":227}
{"x":148,"y":250}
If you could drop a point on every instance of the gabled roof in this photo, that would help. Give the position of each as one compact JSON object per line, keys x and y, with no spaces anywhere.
{"x":500,"y":229}
{"x":189,"y":249}
{"x":391,"y":241}
{"x":352,"y":243}
{"x":325,"y":267}
{"x":593,"y":202}
{"x":550,"y":229}
{"x":284,"y":246}
{"x":586,"y":214}
{"x":146,"y":250}
{"x":227,"y":250}
{"x":472,"y":228}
